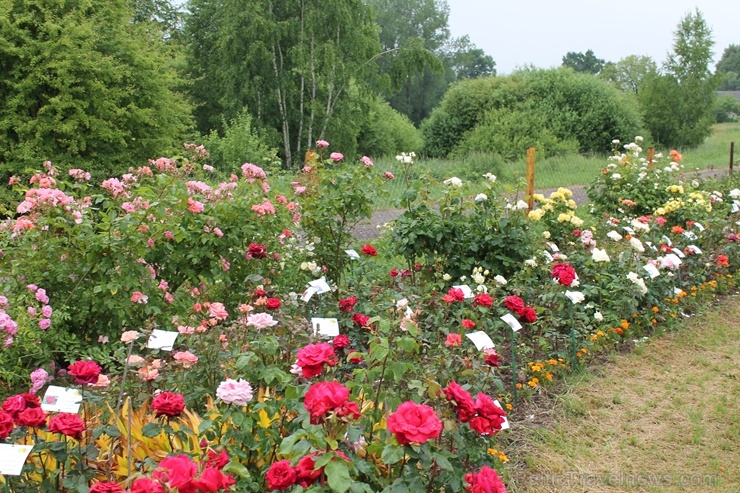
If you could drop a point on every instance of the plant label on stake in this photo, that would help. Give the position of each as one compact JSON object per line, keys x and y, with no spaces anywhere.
{"x":320,"y":285}
{"x":667,"y":240}
{"x":352,"y":254}
{"x":548,"y":257}
{"x":652,"y":247}
{"x":678,"y":252}
{"x":695,"y":249}
{"x":325,"y":326}
{"x":505,"y":424}
{"x":553,"y":247}
{"x":481,"y":340}
{"x":629,"y":230}
{"x":308,"y":294}
{"x":12,"y":458}
{"x":162,"y":339}
{"x":512,"y":322}
{"x":651,"y":270}
{"x":466,"y":290}
{"x":699,"y":227}
{"x":61,"y":400}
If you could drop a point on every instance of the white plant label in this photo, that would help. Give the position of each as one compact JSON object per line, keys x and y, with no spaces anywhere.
{"x":652,"y":271}
{"x":667,"y":240}
{"x":325,"y":326}
{"x":699,"y":227}
{"x":61,"y":400}
{"x":548,"y":257}
{"x":481,"y":340}
{"x":12,"y":458}
{"x":320,"y":285}
{"x":512,"y":322}
{"x":678,"y":252}
{"x":695,"y":249}
{"x":629,"y":230}
{"x":352,"y":254}
{"x":553,"y":247}
{"x":466,"y":290}
{"x":162,"y":339}
{"x":505,"y":424}
{"x":308,"y":294}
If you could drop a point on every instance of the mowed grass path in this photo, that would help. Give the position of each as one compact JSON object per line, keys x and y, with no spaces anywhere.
{"x":665,"y":418}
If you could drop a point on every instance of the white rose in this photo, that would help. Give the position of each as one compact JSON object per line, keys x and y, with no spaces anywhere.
{"x":600,"y":255}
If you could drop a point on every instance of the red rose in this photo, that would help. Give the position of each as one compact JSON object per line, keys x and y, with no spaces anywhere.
{"x":468,"y":324}
{"x":313,"y":357}
{"x":84,"y":372}
{"x":564,"y":273}
{"x":393,"y":273}
{"x":217,"y":460}
{"x":273,"y":303}
{"x":14,"y":404}
{"x":418,"y":266}
{"x":360,"y":319}
{"x":105,"y":487}
{"x":33,"y":416}
{"x":483,"y":299}
{"x":576,"y":232}
{"x":67,"y":424}
{"x":256,"y":250}
{"x":515,"y":304}
{"x":306,"y":470}
{"x":178,"y":471}
{"x":260,"y":293}
{"x":356,"y":359}
{"x":146,"y":485}
{"x":6,"y":425}
{"x":489,"y":416}
{"x":484,"y":481}
{"x":31,"y":400}
{"x":168,"y":404}
{"x":341,"y":341}
{"x":212,"y":479}
{"x":324,"y":397}
{"x":281,"y":475}
{"x":529,"y":315}
{"x":454,"y":294}
{"x":465,"y":405}
{"x":347,"y":304}
{"x":414,"y":422}
{"x":491,"y":357}
{"x":405,"y":273}
{"x":369,"y":250}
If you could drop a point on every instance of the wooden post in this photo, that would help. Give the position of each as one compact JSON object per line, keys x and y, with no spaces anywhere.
{"x":732,"y":156}
{"x":530,"y":178}
{"x":651,"y":157}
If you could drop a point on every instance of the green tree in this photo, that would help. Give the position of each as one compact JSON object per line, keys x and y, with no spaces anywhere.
{"x":728,"y":69}
{"x":583,"y":62}
{"x":468,"y":62}
{"x":82,"y":85}
{"x":677,"y":105}
{"x":629,"y":73}
{"x":298,"y":66}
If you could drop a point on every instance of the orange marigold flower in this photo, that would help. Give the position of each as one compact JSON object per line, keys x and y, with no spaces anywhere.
{"x":655,"y":309}
{"x":677,"y":229}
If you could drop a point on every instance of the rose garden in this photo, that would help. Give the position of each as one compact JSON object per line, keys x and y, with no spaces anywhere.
{"x":172,"y":331}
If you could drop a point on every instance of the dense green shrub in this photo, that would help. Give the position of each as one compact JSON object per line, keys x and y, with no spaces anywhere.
{"x":723,"y":108}
{"x":555,"y":109}
{"x":240,"y":144}
{"x":387,"y":132}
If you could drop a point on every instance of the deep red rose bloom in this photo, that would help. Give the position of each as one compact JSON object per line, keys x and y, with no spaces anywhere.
{"x":217,"y":460}
{"x":515,"y":304}
{"x":14,"y":404}
{"x":418,"y":266}
{"x":341,"y":341}
{"x":348,"y":304}
{"x":529,"y":315}
{"x":256,"y":250}
{"x":259,"y":293}
{"x":6,"y":425}
{"x":468,"y":324}
{"x":483,"y":299}
{"x":281,"y":475}
{"x":360,"y":319}
{"x":465,"y":405}
{"x":414,"y":422}
{"x":491,"y":357}
{"x":457,"y":294}
{"x":67,"y":424}
{"x":313,"y":357}
{"x":576,"y":232}
{"x":356,"y":360}
{"x":324,"y":397}
{"x":33,"y":417}
{"x":84,"y":372}
{"x":106,"y":487}
{"x":31,"y":400}
{"x":405,"y":273}
{"x":273,"y":303}
{"x":393,"y":273}
{"x":484,"y":481}
{"x":146,"y":485}
{"x":564,"y":273}
{"x":489,"y":417}
{"x":168,"y":404}
{"x":369,"y":250}
{"x":178,"y":471}
{"x":305,"y":470}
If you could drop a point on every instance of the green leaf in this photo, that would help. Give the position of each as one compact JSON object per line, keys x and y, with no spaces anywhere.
{"x":392,"y":454}
{"x":150,"y":430}
{"x":237,"y":468}
{"x":337,"y":473}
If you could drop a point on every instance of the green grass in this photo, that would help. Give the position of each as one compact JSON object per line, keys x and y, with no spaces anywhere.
{"x":663,"y":421}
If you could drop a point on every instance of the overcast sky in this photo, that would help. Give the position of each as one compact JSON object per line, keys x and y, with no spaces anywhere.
{"x":540,"y":32}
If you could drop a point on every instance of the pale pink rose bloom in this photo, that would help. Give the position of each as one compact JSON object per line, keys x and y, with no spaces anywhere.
{"x":31,"y":311}
{"x":218,"y":311}
{"x":150,"y":243}
{"x":367,"y":161}
{"x":296,"y":217}
{"x":299,"y":190}
{"x":186,"y":358}
{"x":44,"y":323}
{"x":184,"y":329}
{"x":8,"y":342}
{"x":169,"y":298}
{"x":261,"y":321}
{"x":103,"y":381}
{"x":225,"y":265}
{"x":46,"y":311}
{"x":128,"y":207}
{"x":134,"y":360}
{"x":322,"y":143}
{"x":218,"y":232}
{"x":169,"y":236}
{"x":244,"y":308}
{"x":129,"y":336}
{"x":138,"y":297}
{"x":237,"y":392}
{"x":157,"y":363}
{"x":281,"y":199}
{"x":148,"y":373}
{"x":252,"y":172}
{"x":163,"y":285}
{"x":389,"y":175}
{"x":41,"y":296}
{"x":207,"y":167}
{"x":39,"y":378}
{"x":194,"y":206}
{"x":195,"y":292}
{"x":103,"y":339}
{"x":295,"y":369}
{"x":3,"y":302}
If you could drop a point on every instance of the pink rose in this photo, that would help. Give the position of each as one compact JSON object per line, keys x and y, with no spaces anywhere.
{"x":415,"y":423}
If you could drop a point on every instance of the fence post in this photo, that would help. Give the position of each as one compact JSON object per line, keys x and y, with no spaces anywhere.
{"x":530,"y":178}
{"x":651,"y":157}
{"x":732,"y":157}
